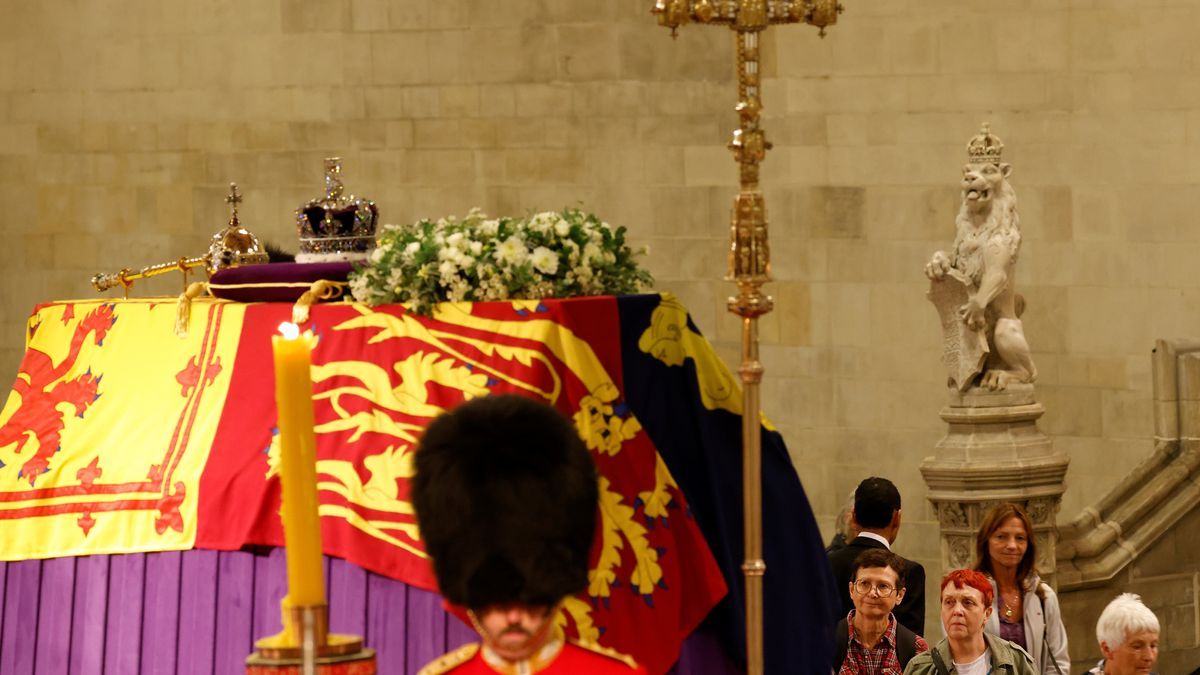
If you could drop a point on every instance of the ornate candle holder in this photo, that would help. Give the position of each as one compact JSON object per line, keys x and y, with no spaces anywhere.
{"x":305,"y":642}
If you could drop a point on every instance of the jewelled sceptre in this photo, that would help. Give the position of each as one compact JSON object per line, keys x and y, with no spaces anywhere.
{"x":749,"y":255}
{"x":232,"y":246}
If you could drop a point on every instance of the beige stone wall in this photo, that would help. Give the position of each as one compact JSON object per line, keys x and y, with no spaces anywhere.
{"x":121,"y":124}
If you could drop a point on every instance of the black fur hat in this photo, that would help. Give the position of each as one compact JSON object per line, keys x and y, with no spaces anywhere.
{"x":506,"y":495}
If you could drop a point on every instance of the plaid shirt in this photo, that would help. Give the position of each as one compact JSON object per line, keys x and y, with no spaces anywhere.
{"x":881,"y":660}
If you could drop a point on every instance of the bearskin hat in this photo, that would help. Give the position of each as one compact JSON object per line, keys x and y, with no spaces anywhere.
{"x":505,"y":494}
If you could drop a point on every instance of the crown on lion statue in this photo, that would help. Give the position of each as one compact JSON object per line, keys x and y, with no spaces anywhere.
{"x":984,"y":147}
{"x":336,"y":227}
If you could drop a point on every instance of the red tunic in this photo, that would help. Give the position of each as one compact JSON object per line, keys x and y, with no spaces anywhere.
{"x":575,"y":658}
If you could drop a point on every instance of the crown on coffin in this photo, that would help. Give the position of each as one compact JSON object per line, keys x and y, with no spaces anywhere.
{"x":984,"y":147}
{"x":337,"y":226}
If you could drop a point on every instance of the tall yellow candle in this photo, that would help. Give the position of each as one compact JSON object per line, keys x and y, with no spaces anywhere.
{"x":298,"y":466}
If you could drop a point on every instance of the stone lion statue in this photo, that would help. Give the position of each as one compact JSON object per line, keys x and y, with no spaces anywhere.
{"x":983,"y":259}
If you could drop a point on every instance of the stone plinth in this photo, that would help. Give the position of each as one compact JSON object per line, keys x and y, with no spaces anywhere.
{"x":994,"y":452}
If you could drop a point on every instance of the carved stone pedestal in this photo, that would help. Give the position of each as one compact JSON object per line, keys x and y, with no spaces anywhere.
{"x":994,"y":452}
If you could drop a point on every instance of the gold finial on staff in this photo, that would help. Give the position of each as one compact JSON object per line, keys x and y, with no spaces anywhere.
{"x":749,"y":253}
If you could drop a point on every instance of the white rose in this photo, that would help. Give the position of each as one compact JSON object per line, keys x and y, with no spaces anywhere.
{"x":511,"y":250}
{"x":476,"y":248}
{"x":458,"y":290}
{"x":490,"y":227}
{"x":377,"y":255}
{"x":360,"y":288}
{"x":562,"y":228}
{"x":544,"y":260}
{"x":543,"y":221}
{"x":592,"y":253}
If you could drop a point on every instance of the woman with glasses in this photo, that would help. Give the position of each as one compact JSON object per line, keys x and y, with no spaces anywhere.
{"x":1026,"y":610}
{"x":869,"y":640}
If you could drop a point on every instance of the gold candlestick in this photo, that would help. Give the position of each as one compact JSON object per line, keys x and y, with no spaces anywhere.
{"x":749,"y":254}
{"x":305,"y":640}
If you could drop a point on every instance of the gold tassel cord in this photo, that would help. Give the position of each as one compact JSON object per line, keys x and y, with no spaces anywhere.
{"x":322,"y":289}
{"x":183,"y":309}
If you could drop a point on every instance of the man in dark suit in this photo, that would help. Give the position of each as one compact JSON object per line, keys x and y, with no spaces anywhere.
{"x":877,"y":516}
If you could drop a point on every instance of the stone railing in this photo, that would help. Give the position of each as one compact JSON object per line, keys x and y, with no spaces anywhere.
{"x":1163,"y":488}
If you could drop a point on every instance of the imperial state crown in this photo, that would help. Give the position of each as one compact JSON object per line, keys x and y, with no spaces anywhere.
{"x":337,"y":226}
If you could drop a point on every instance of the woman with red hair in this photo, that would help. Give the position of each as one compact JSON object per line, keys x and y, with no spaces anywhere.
{"x":1026,"y":610}
{"x":966,"y":597}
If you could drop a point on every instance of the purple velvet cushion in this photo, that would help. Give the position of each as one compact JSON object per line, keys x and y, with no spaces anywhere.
{"x":273,"y":282}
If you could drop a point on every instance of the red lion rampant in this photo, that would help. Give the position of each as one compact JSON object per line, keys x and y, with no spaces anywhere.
{"x":42,"y":389}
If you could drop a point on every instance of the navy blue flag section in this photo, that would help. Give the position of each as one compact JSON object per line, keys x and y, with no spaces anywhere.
{"x":699,"y":436}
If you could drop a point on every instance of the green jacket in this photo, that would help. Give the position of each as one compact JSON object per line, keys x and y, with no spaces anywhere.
{"x":1007,"y":659}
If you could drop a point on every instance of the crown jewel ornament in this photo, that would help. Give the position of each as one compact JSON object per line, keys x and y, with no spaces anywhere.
{"x":234,"y":245}
{"x":338,"y":226}
{"x":231,"y":247}
{"x":985,"y":147}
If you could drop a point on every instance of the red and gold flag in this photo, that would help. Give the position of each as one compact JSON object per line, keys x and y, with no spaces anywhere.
{"x":380,"y":375}
{"x":108,"y":427}
{"x":121,"y":437}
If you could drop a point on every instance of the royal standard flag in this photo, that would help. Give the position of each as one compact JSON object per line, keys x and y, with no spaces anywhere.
{"x":121,"y":437}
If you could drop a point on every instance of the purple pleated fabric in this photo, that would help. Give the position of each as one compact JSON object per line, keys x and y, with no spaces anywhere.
{"x":199,"y":612}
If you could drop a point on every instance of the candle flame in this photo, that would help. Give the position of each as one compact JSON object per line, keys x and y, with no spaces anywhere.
{"x":289,"y":330}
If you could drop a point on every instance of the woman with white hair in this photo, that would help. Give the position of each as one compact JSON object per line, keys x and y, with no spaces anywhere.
{"x":1128,"y":635}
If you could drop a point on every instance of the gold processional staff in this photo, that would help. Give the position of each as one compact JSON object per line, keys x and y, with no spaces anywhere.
{"x":749,"y":255}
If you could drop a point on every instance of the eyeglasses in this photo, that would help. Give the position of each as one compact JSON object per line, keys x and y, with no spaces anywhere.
{"x":864,"y":587}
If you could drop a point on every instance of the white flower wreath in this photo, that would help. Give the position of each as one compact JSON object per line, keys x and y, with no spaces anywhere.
{"x":547,"y":255}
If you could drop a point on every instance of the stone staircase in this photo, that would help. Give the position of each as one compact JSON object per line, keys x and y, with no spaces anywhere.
{"x":1144,"y":535}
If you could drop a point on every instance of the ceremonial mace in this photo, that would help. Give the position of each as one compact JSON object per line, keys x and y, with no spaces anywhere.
{"x":749,"y":256}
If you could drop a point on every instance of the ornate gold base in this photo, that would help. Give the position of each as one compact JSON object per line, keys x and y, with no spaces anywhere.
{"x":335,"y":646}
{"x":288,"y":644}
{"x":361,"y":662}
